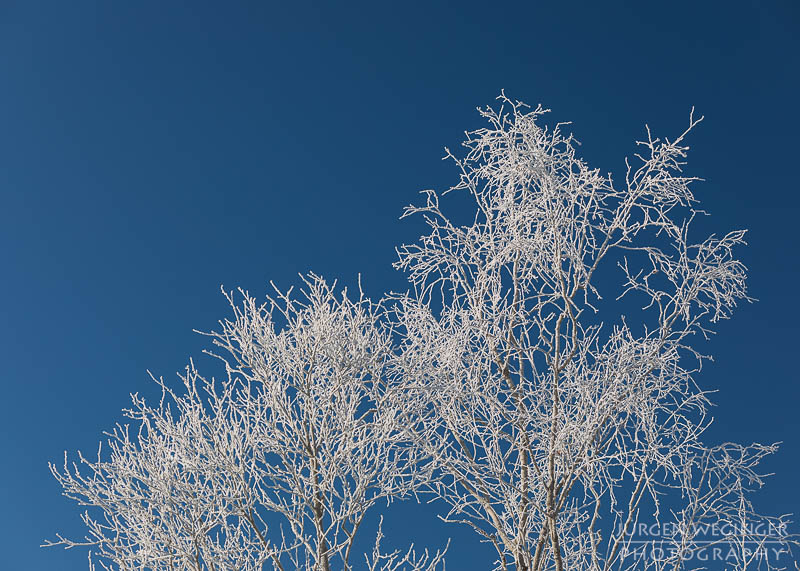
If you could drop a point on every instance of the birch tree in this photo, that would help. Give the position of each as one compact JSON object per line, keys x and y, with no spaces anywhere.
{"x":274,"y":466}
{"x":552,"y":350}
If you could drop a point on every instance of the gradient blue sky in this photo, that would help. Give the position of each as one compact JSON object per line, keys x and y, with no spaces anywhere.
{"x":151,"y":151}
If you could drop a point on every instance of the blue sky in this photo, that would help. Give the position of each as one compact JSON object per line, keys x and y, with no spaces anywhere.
{"x":151,"y":151}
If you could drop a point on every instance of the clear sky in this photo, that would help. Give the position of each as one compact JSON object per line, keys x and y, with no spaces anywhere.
{"x":152,"y":151}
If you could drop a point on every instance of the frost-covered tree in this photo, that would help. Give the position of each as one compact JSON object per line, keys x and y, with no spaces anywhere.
{"x":539,"y":381}
{"x":550,"y":350}
{"x":273,"y":467}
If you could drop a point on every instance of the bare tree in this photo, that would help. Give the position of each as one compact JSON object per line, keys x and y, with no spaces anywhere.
{"x":551,"y":405}
{"x":275,"y":466}
{"x":558,"y":401}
